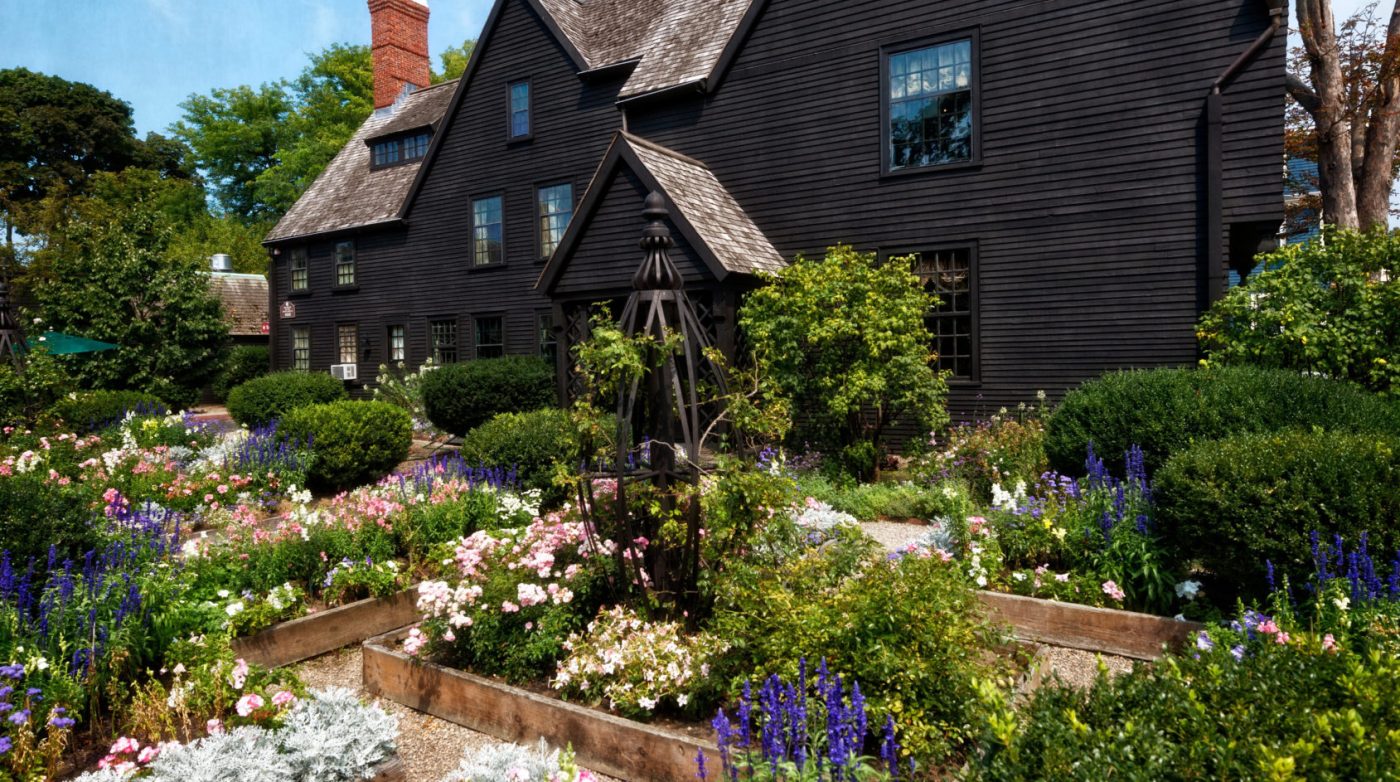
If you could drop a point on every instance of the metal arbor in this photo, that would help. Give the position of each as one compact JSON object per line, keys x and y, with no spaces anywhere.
{"x":12,"y":345}
{"x":664,"y":405}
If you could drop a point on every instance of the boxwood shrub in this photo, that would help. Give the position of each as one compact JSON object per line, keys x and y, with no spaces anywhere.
{"x":460,"y":397}
{"x":1235,"y":503}
{"x":244,"y":363}
{"x":352,"y":443}
{"x":531,"y":443}
{"x":94,"y":410}
{"x":36,"y":513}
{"x":1166,"y":410}
{"x":270,"y":397}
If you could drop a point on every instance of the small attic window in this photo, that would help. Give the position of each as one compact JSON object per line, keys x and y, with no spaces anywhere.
{"x":391,"y":152}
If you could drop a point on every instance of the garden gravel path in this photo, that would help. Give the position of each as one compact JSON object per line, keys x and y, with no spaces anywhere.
{"x":429,"y":747}
{"x":1074,"y":667}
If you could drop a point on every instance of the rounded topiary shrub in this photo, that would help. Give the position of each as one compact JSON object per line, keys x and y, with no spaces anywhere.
{"x":94,"y":410}
{"x":243,"y":363}
{"x":460,"y":397}
{"x":1236,"y":503}
{"x":1166,"y":410}
{"x":530,"y":443}
{"x":270,"y":397}
{"x":352,"y":443}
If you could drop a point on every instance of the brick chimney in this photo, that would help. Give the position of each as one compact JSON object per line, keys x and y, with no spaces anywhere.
{"x":400,"y":47}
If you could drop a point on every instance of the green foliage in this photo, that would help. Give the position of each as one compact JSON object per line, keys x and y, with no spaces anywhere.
{"x":454,"y":61}
{"x":1330,"y":307}
{"x":106,"y":273}
{"x":882,"y":500}
{"x":1282,"y":712}
{"x":460,"y":397}
{"x":530,"y":443}
{"x":352,"y":443}
{"x":91,"y":411}
{"x":844,"y":339}
{"x":268,"y":398}
{"x":1002,"y":450}
{"x":402,"y":388}
{"x":910,"y":631}
{"x":1166,"y":410}
{"x":243,"y":363}
{"x":39,"y":513}
{"x":207,"y":234}
{"x":24,"y":395}
{"x":1236,"y":503}
{"x":55,"y":134}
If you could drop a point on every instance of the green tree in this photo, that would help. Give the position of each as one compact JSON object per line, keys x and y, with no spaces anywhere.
{"x":208,"y":234}
{"x":1330,"y":306}
{"x":55,"y":134}
{"x":845,"y":340}
{"x":454,"y":61}
{"x":236,"y":134}
{"x":107,"y":272}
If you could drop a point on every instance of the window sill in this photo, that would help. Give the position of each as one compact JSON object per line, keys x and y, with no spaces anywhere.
{"x":486,"y":267}
{"x":945,"y":168}
{"x":339,"y":289}
{"x":965,"y":382}
{"x":525,"y":139}
{"x":301,"y":294}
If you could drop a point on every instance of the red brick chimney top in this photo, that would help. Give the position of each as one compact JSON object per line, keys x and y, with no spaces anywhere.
{"x":399,"y":48}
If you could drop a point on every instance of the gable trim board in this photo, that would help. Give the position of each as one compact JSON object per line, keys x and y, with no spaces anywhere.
{"x":708,"y":217}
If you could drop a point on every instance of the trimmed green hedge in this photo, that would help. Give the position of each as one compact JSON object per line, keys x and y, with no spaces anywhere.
{"x":352,"y":443}
{"x":262,"y":400}
{"x":460,"y":397}
{"x":1232,"y":504}
{"x":244,"y":363}
{"x":1167,"y":410}
{"x":531,"y":443}
{"x":94,"y":410}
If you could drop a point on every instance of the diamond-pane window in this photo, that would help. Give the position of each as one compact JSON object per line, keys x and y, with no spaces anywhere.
{"x":947,"y":274}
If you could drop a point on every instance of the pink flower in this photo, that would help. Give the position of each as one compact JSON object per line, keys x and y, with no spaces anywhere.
{"x":1281,"y":639}
{"x":414,"y":642}
{"x":125,"y":745}
{"x":214,"y":727}
{"x":147,"y":754}
{"x":1267,"y":627}
{"x":1112,"y":590}
{"x":1329,"y":644}
{"x":509,"y":608}
{"x":283,"y":698}
{"x":248,"y":704}
{"x":240,"y":673}
{"x":223,"y":489}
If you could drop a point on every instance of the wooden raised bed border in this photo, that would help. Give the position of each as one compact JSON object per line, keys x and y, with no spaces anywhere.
{"x":1122,"y":633}
{"x":602,"y":742}
{"x":325,"y":631}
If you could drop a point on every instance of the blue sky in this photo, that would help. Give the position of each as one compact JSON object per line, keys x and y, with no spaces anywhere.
{"x":155,"y":53}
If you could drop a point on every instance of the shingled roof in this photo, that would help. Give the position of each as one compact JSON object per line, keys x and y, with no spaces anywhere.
{"x":349,"y":194}
{"x":673,"y":42}
{"x":245,"y":302}
{"x":714,"y":224}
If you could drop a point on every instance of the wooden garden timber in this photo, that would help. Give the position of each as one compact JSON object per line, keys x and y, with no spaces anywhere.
{"x":325,"y":631}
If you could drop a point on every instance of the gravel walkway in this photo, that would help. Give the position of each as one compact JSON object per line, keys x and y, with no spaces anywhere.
{"x":428,"y":746}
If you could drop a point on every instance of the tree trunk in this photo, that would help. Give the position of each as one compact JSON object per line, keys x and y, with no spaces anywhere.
{"x":1334,"y":134}
{"x":1376,"y":175}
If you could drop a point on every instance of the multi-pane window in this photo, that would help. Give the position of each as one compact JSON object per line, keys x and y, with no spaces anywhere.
{"x":929,"y":94}
{"x":346,"y":338}
{"x":345,"y":263}
{"x":301,"y":348}
{"x":519,"y":109}
{"x":400,"y":150}
{"x":300,"y":269}
{"x":488,"y":231}
{"x":398,"y":347}
{"x":555,"y":205}
{"x":490,"y":337}
{"x":947,"y":274}
{"x":548,"y":341}
{"x":444,"y":335}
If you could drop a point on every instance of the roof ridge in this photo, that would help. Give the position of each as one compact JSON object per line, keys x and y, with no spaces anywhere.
{"x":665,"y":150}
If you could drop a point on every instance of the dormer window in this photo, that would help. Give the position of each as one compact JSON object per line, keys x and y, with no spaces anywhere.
{"x":519,"y":93}
{"x":406,"y":149}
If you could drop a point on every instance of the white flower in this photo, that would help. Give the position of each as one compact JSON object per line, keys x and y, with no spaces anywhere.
{"x":234,"y":609}
{"x":682,"y":700}
{"x":1188,"y":589}
{"x":1342,"y":603}
{"x":41,"y":664}
{"x":647,"y":703}
{"x":223,"y":593}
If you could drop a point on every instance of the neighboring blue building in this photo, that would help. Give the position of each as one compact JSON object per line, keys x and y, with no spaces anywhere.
{"x":1301,"y":225}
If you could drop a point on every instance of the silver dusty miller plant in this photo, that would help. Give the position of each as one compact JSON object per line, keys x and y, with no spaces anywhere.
{"x":499,"y":762}
{"x":333,"y":737}
{"x":244,"y":754}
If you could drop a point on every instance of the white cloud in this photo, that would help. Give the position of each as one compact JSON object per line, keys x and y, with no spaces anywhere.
{"x":171,"y":11}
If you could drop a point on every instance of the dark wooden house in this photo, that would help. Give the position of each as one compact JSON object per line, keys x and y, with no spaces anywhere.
{"x":1074,"y":178}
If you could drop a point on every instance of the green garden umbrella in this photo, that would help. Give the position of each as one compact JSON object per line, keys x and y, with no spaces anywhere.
{"x":58,"y":343}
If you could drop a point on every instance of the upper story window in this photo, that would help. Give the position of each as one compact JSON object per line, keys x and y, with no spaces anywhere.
{"x":344,"y":264}
{"x":930,"y":106}
{"x":300,"y":269}
{"x":519,"y":110}
{"x":400,"y":150}
{"x":488,"y":231}
{"x":952,"y":322}
{"x":555,"y":205}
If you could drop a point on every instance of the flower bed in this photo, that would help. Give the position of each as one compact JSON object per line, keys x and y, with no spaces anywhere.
{"x":325,"y":631}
